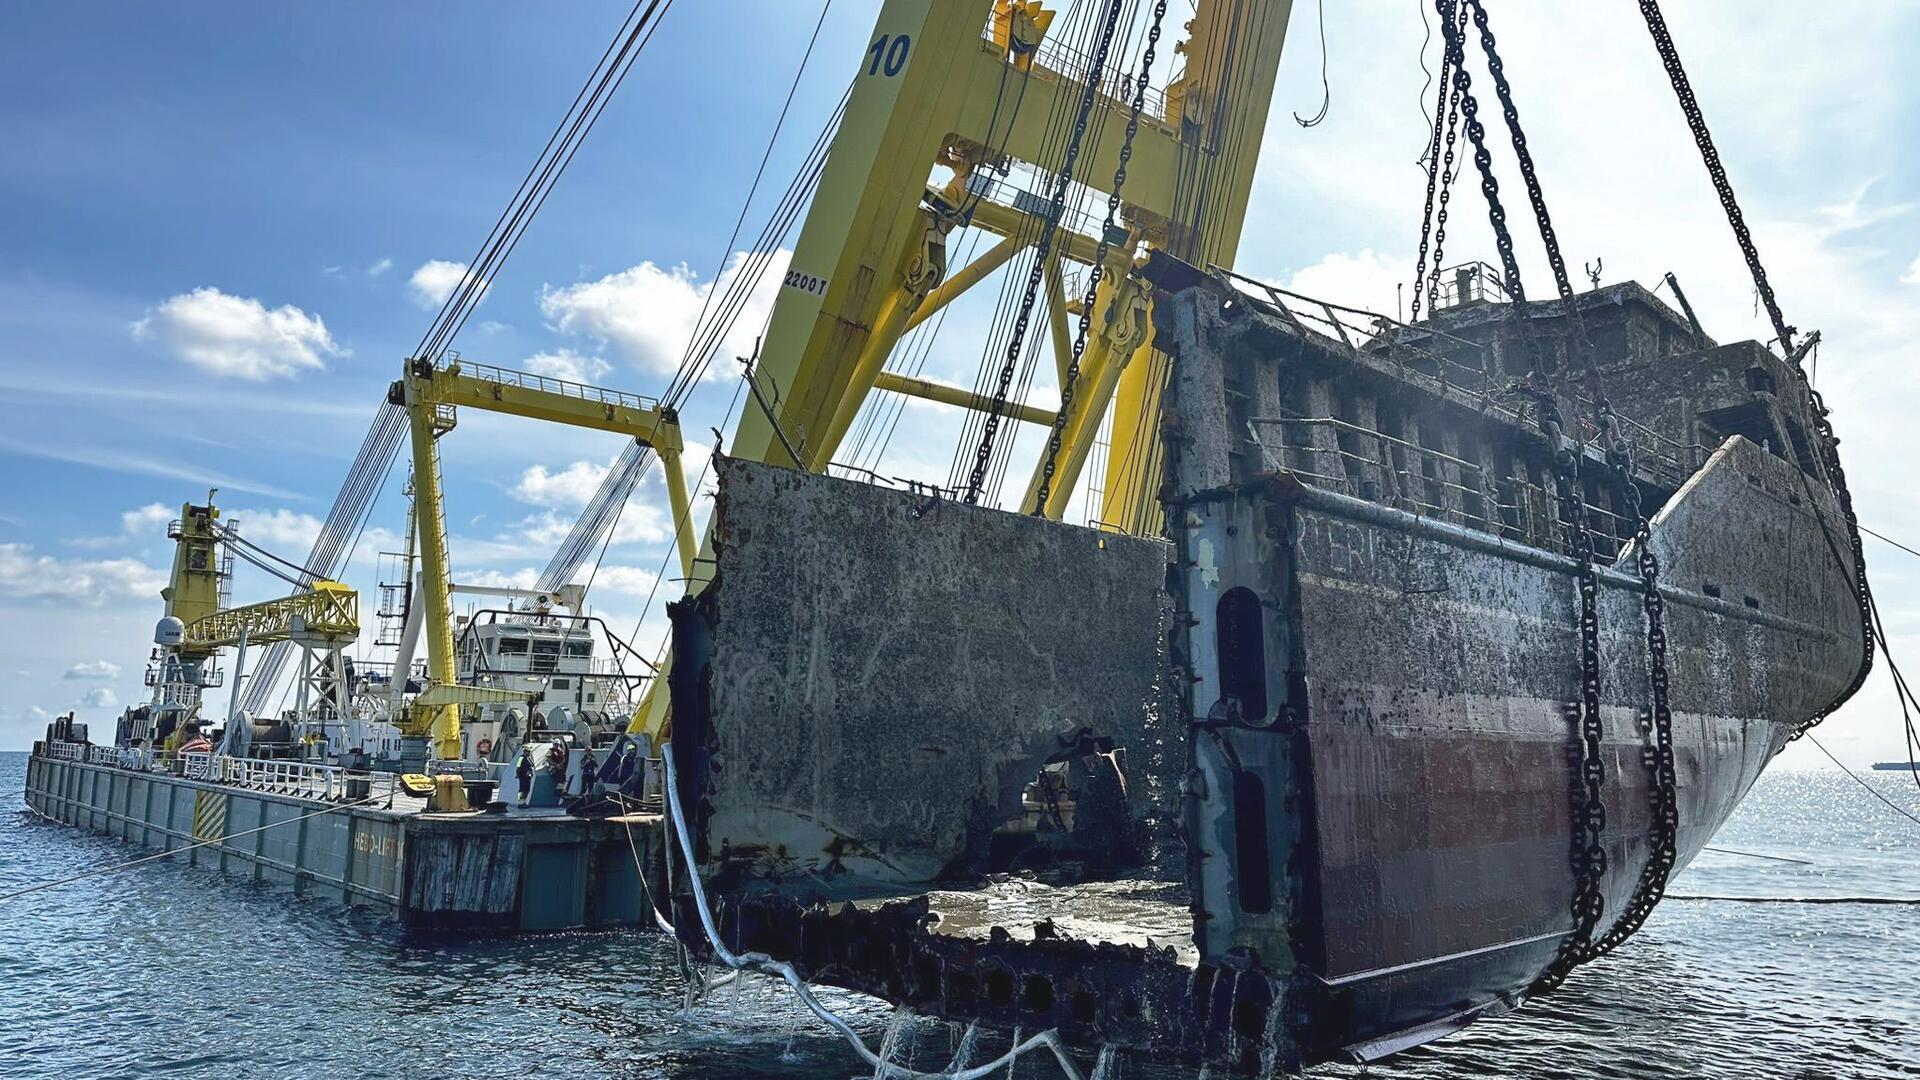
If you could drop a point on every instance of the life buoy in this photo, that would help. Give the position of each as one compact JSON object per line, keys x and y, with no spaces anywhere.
{"x":483,"y":747}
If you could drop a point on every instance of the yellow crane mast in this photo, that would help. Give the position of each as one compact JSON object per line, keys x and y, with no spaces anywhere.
{"x":870,"y":263}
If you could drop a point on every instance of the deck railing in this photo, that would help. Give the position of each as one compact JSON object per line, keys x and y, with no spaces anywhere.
{"x":296,"y":778}
{"x":66,"y":751}
{"x":1423,"y":481}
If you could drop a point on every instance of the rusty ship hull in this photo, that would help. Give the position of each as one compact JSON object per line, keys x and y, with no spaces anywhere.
{"x":1336,"y":702}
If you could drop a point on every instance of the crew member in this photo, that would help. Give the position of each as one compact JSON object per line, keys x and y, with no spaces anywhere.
{"x":589,"y":772}
{"x":523,"y":773}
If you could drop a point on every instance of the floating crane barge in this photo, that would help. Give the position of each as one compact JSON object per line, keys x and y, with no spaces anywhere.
{"x":1406,"y":664}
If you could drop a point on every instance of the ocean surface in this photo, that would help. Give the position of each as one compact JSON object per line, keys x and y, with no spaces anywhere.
{"x":167,"y":970}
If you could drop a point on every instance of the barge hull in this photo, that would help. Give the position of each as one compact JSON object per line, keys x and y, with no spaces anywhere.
{"x":460,"y":873}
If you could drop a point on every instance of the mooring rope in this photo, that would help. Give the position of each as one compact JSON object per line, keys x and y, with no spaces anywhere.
{"x":1757,"y":855}
{"x":1898,"y":900}
{"x":766,"y":965}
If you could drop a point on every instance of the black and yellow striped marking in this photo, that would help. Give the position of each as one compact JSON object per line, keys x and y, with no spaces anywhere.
{"x":209,"y":815}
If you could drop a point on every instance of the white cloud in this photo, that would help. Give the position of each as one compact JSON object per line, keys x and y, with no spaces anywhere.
{"x":630,"y":580}
{"x":238,"y":336}
{"x":1912,"y":276}
{"x":91,"y":583}
{"x":380,"y":266}
{"x":100,"y":697}
{"x":543,"y":532}
{"x":523,"y":578}
{"x":649,"y":313}
{"x":1364,"y":280}
{"x":93,"y":669}
{"x":435,"y":280}
{"x":570,"y":487}
{"x":147,"y":520}
{"x":38,"y":715}
{"x":286,"y":533}
{"x":568,"y":365}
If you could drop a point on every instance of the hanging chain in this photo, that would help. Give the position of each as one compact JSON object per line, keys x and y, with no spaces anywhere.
{"x":1449,"y":172}
{"x":1683,"y":89}
{"x":1439,"y":175}
{"x":1587,"y":854}
{"x":1097,"y":274}
{"x":1095,"y":68}
{"x":1828,"y":447}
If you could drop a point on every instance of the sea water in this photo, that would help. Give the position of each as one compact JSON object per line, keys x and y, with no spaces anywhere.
{"x":168,"y":970}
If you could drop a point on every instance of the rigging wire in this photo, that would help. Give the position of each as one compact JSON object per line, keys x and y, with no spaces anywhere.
{"x":1426,"y":40}
{"x":1889,"y":540}
{"x":1871,"y":790}
{"x":983,"y":454}
{"x":603,"y":510}
{"x":1097,"y":270}
{"x":638,"y":31}
{"x":381,"y":446}
{"x":1326,"y":88}
{"x":1075,"y":38}
{"x":760,"y":172}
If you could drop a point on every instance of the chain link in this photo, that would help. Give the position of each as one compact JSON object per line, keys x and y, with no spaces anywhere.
{"x":1587,"y":853}
{"x":983,"y":455}
{"x":1449,"y":172}
{"x":1097,"y":274}
{"x":1683,"y":89}
{"x":1444,"y":114}
{"x":1828,"y":444}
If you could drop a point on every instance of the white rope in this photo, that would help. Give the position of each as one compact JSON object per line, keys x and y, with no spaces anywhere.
{"x":766,"y":965}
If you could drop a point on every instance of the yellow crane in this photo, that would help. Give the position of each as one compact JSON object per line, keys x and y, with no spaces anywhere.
{"x":327,"y":616}
{"x":870,"y":263}
{"x":933,"y":96}
{"x":432,"y":393}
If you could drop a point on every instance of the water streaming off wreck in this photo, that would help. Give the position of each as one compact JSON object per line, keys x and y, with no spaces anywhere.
{"x":164,"y":969}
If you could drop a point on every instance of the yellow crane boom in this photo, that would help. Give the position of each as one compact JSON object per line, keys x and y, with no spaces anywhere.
{"x":326,"y":616}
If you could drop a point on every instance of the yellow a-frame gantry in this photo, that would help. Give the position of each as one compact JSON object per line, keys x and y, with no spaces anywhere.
{"x":432,"y":394}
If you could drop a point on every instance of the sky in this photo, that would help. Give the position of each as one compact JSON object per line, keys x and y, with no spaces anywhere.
{"x":227,"y":223}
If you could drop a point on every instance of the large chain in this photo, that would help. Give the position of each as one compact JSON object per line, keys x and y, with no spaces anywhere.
{"x":1863,"y":592}
{"x":1663,"y":843}
{"x":1683,"y":89}
{"x":1062,"y":181}
{"x":1449,"y":172}
{"x":1828,"y":444}
{"x":1097,"y":274}
{"x":1663,"y":848}
{"x":1444,"y":104}
{"x":1587,"y":853}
